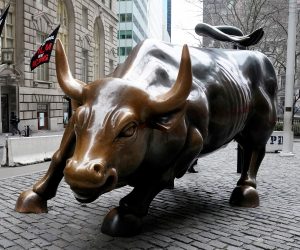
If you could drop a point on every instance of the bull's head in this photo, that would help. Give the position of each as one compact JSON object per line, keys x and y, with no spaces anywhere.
{"x":120,"y":128}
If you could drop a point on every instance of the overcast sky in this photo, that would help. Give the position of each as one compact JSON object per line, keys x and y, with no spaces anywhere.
{"x":185,"y":16}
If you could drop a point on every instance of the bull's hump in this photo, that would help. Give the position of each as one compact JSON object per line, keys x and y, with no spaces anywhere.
{"x":153,"y":65}
{"x":150,"y":63}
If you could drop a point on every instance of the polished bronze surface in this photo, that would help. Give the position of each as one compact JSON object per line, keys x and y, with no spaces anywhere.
{"x":147,"y":122}
{"x":230,"y":34}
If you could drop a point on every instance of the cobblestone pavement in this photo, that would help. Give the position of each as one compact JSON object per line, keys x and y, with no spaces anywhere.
{"x":194,"y":215}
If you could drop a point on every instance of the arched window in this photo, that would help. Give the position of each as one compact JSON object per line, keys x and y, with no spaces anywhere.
{"x":42,"y":72}
{"x":8,"y":33}
{"x":98,"y":49}
{"x":62,"y":17}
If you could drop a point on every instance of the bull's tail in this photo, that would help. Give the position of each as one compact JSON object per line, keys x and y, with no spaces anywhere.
{"x":230,"y":34}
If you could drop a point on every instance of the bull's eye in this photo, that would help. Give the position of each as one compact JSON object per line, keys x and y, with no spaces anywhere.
{"x":164,"y":119}
{"x":128,"y":130}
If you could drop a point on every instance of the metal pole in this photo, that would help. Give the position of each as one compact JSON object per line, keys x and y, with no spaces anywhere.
{"x":289,"y":86}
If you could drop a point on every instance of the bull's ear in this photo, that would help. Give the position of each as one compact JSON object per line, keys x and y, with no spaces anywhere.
{"x":168,"y":120}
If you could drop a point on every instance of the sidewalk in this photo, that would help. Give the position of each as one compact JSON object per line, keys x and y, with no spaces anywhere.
{"x":194,"y":215}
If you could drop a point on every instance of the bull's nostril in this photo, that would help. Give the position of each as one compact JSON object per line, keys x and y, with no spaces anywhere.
{"x":97,"y":168}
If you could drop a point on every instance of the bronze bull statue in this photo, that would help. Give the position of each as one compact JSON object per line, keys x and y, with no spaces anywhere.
{"x":147,"y":122}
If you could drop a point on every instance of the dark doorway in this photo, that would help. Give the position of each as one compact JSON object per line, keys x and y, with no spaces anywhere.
{"x":4,"y":113}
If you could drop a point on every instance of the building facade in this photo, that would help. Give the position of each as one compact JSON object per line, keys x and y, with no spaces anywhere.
{"x":157,"y":20}
{"x":133,"y":25}
{"x":169,"y":17}
{"x":88,"y":32}
{"x":139,"y":20}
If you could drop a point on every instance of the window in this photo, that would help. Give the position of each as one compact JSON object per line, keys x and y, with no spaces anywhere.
{"x":84,"y":17}
{"x":42,"y":72}
{"x":98,"y":50}
{"x":110,"y":4}
{"x":136,"y":38}
{"x":8,"y":33}
{"x":97,"y":58}
{"x":126,"y":17}
{"x":38,"y":3}
{"x":125,"y":34}
{"x":111,"y":33}
{"x":62,"y":18}
{"x":124,"y":51}
{"x":111,"y":66}
{"x":84,"y":75}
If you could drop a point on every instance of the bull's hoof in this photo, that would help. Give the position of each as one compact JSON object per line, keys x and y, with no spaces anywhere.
{"x":31,"y":202}
{"x":121,"y":224}
{"x":244,"y":196}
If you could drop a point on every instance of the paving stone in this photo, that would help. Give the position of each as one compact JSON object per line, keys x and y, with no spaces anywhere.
{"x":200,"y":245}
{"x":26,"y":244}
{"x":230,"y":241}
{"x":10,"y":235}
{"x":249,"y":247}
{"x":263,"y":245}
{"x":184,"y":246}
{"x":15,"y":247}
{"x":209,"y":235}
{"x":233,"y":248}
{"x":27,"y":235}
{"x":163,"y":238}
{"x":294,"y":245}
{"x":199,"y":238}
{"x":183,"y":239}
{"x":277,"y":245}
{"x":41,"y":242}
{"x":218,"y":244}
{"x":5,"y":243}
{"x":52,"y":248}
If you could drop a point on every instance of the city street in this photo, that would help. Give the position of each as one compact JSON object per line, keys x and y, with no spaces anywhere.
{"x":194,"y":215}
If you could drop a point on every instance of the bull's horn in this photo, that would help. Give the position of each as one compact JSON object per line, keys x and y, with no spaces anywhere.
{"x":180,"y":91}
{"x":68,"y":84}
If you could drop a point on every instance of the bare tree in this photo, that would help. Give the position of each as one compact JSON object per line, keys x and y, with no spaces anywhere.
{"x":250,"y":15}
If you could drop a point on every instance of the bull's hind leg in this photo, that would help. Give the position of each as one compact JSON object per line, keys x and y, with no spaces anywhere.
{"x":245,"y":194}
{"x":35,"y":200}
{"x":253,"y":140}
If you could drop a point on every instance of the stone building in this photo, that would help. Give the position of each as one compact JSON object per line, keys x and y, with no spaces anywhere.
{"x":89,"y":34}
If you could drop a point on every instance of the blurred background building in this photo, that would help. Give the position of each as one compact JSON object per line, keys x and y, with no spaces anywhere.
{"x":141,"y":19}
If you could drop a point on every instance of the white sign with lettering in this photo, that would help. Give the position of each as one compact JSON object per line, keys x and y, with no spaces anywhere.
{"x":275,"y":142}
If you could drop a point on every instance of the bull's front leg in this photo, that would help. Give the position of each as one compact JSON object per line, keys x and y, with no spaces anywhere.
{"x":35,"y":200}
{"x":126,"y":220}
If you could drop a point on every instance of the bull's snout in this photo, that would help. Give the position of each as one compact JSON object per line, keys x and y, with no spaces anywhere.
{"x":88,"y":180}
